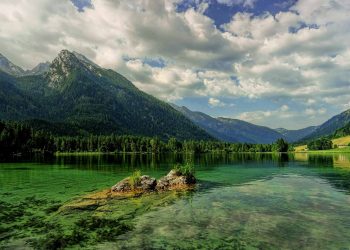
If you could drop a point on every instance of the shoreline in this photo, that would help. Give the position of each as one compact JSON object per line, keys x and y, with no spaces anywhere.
{"x":148,"y":153}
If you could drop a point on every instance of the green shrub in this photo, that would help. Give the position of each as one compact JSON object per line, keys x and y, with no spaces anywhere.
{"x":186,"y":170}
{"x":135,"y":179}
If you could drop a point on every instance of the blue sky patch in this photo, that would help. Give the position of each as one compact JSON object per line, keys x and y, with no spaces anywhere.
{"x":155,"y":62}
{"x":82,"y":4}
{"x":222,"y":13}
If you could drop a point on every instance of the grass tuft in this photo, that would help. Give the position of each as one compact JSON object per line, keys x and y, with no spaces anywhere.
{"x":187,"y":170}
{"x":135,"y":179}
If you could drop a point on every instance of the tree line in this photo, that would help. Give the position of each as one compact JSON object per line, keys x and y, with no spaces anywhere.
{"x":320,"y":144}
{"x":17,"y":138}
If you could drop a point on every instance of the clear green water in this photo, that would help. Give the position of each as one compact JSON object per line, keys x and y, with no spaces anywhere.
{"x":242,"y":201}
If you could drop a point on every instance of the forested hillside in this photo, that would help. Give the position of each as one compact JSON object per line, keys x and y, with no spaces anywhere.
{"x":231,"y":130}
{"x":74,"y":96}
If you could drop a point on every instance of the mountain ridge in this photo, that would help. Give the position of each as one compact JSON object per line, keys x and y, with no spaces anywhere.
{"x":330,"y":126}
{"x":96,"y":100}
{"x":292,"y":135}
{"x":10,"y":68}
{"x":231,"y":130}
{"x":74,"y":90}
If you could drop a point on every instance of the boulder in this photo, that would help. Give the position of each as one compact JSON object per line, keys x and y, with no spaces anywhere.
{"x":122,"y":186}
{"x":172,"y":180}
{"x":146,"y":183}
{"x":175,"y":179}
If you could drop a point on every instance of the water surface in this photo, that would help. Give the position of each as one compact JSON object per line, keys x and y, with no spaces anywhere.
{"x":242,"y":201}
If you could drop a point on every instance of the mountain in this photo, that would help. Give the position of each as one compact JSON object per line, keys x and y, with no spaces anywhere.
{"x":231,"y":130}
{"x":40,"y":69}
{"x":8,"y":67}
{"x":330,"y":126}
{"x":296,"y":135}
{"x":89,"y":99}
{"x":344,"y":131}
{"x":14,"y":104}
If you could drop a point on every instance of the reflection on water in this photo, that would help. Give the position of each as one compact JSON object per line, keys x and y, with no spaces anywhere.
{"x":135,"y":161}
{"x":254,"y":201}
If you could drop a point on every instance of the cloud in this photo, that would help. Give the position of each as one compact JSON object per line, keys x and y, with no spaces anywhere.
{"x":313,"y":112}
{"x":244,"y":3}
{"x":216,"y":102}
{"x":284,"y":108}
{"x":268,"y":117}
{"x":298,"y":56}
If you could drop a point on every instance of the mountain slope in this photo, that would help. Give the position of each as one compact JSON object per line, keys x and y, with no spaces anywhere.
{"x":14,"y":104}
{"x":231,"y":130}
{"x":296,"y":135}
{"x":330,"y":126}
{"x":8,"y":67}
{"x":344,"y":131}
{"x":79,"y":93}
{"x":40,"y":69}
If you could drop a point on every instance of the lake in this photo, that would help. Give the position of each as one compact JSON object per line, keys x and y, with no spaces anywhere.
{"x":241,"y":201}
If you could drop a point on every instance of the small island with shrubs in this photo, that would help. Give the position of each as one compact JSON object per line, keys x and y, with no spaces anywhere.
{"x":180,"y":177}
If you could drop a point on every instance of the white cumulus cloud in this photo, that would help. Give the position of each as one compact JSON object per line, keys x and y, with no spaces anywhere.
{"x":300,"y":56}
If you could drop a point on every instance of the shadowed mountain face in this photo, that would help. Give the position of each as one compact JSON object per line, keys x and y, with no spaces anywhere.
{"x":231,"y":130}
{"x":296,"y":135}
{"x":14,"y":103}
{"x":330,"y":126}
{"x":89,"y":99}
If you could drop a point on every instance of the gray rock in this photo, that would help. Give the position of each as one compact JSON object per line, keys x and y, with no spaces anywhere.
{"x":172,"y":180}
{"x":163,"y":183}
{"x":147,"y":183}
{"x":122,"y":186}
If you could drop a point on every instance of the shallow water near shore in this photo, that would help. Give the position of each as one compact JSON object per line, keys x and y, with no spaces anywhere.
{"x":241,"y":201}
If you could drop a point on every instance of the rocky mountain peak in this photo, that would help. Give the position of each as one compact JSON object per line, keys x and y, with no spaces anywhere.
{"x":65,"y":64}
{"x":8,"y":67}
{"x":61,"y":67}
{"x":39,"y":69}
{"x":65,"y":60}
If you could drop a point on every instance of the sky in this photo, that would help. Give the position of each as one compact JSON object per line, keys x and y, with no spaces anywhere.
{"x":277,"y":63}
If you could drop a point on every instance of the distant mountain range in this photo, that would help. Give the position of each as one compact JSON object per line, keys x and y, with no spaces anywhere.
{"x":74,"y":96}
{"x":331,"y":126}
{"x":84,"y":98}
{"x":8,"y":67}
{"x":231,"y":130}
{"x":296,"y":135}
{"x":234,"y":130}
